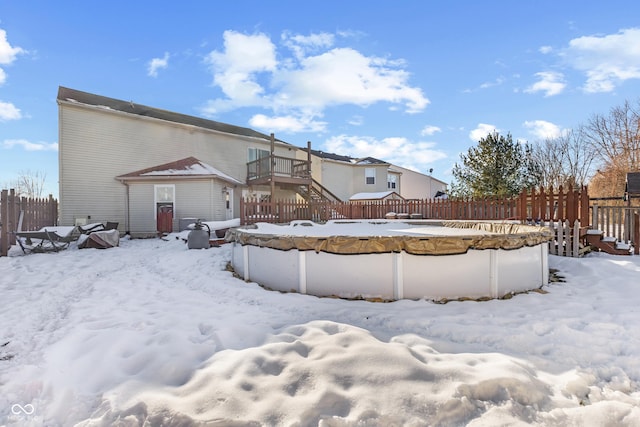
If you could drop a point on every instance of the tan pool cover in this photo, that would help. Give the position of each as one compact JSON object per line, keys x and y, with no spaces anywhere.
{"x":510,"y":236}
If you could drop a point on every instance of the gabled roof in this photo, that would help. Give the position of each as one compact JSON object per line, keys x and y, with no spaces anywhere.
{"x":381,"y":195}
{"x":348,"y":159}
{"x":371,"y":161}
{"x":76,"y":96}
{"x":185,"y":168}
{"x":332,"y":156}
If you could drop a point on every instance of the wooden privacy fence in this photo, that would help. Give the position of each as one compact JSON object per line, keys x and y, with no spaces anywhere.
{"x":530,"y":206}
{"x":37,"y":213}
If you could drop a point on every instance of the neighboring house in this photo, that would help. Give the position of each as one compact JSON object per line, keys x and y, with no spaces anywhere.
{"x":128,"y":163}
{"x":416,"y":185}
{"x":346,"y":176}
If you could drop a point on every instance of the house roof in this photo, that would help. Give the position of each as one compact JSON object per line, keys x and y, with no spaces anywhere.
{"x":375,"y":195}
{"x":348,"y":159}
{"x":185,"y":168}
{"x":332,"y":156}
{"x":75,"y":96}
{"x":632,"y":186}
{"x":370,"y":161}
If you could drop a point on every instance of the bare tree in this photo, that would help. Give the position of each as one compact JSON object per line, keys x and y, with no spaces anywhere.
{"x":566,"y":160}
{"x":29,"y":184}
{"x":616,"y":140}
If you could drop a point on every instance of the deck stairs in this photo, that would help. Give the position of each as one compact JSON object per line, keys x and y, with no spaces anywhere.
{"x":597,"y":241}
{"x":318,"y":193}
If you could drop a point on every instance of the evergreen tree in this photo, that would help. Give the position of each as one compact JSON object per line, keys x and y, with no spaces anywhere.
{"x":498,"y":167}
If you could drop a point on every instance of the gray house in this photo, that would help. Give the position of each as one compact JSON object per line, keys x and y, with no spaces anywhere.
{"x":147,"y":168}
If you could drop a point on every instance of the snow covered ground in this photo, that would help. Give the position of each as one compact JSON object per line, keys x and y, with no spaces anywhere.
{"x":151,"y":333}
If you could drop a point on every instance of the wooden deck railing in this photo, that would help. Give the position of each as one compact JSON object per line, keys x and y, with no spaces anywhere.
{"x":282,"y":167}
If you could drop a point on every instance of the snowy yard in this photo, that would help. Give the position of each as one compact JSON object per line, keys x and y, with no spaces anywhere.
{"x":151,"y":333}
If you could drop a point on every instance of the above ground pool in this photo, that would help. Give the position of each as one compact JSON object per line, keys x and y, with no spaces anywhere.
{"x":393,"y":259}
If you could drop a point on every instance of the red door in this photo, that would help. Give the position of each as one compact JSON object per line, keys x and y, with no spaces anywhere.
{"x":164,"y":220}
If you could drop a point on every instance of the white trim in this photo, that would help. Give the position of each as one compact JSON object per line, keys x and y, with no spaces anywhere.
{"x":156,"y":201}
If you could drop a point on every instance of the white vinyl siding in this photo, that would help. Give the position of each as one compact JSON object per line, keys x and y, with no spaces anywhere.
{"x":97,"y":144}
{"x":193,"y":199}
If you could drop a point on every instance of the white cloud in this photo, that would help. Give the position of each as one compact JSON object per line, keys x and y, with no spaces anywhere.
{"x":481,"y":131}
{"x":302,"y":45}
{"x":9,"y":111}
{"x":356,"y":121}
{"x":606,"y":60}
{"x":551,"y":83}
{"x":545,"y":50}
{"x":30,"y":146}
{"x":543,"y":129}
{"x":430,"y":130}
{"x":235,"y":69}
{"x":318,"y":76}
{"x":345,"y":76}
{"x":8,"y":53}
{"x":415,"y":155}
{"x":158,"y":63}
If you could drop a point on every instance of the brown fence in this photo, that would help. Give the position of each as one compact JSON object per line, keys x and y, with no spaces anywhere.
{"x":531,"y":206}
{"x":37,"y":213}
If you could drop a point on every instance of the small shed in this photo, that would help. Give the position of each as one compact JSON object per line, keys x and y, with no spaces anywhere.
{"x":375,"y":196}
{"x":632,"y":186}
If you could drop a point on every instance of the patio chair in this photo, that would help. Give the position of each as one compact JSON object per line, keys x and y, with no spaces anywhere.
{"x":47,"y":239}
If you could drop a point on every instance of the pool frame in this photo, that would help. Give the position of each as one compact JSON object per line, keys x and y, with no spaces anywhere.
{"x":398,"y":267}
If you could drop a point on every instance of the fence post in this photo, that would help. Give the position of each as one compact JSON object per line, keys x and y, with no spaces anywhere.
{"x":636,"y":233}
{"x":4,"y":227}
{"x":575,"y":239}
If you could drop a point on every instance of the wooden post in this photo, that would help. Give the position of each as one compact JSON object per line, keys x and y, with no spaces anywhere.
{"x":4,"y":228}
{"x":584,"y":208}
{"x":310,"y":175}
{"x":12,"y":216}
{"x":636,"y":233}
{"x":272,"y":165}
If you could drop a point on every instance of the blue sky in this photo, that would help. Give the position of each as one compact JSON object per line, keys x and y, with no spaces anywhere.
{"x":415,"y":83}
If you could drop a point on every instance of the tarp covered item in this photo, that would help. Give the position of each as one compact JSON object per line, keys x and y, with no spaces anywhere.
{"x":499,"y":236}
{"x":100,"y":239}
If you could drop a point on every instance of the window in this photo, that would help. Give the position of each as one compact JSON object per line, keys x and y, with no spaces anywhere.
{"x":391,"y":182}
{"x":164,"y":196}
{"x":370,"y":176}
{"x":164,"y":193}
{"x":256,"y":153}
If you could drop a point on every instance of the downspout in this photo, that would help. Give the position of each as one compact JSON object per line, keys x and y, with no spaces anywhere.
{"x":126,"y":220}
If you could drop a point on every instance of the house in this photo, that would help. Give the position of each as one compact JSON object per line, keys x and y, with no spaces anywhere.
{"x":128,"y":163}
{"x":151,"y":170}
{"x":346,"y":176}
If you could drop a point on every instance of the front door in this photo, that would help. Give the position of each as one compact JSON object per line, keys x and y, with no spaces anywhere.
{"x":164,"y":213}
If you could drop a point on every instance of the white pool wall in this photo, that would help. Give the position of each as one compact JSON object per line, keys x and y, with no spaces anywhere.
{"x":489,"y":273}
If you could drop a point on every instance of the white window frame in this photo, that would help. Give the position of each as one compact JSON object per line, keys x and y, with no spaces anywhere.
{"x":392,"y":181}
{"x":370,"y":173}
{"x":171,"y":197}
